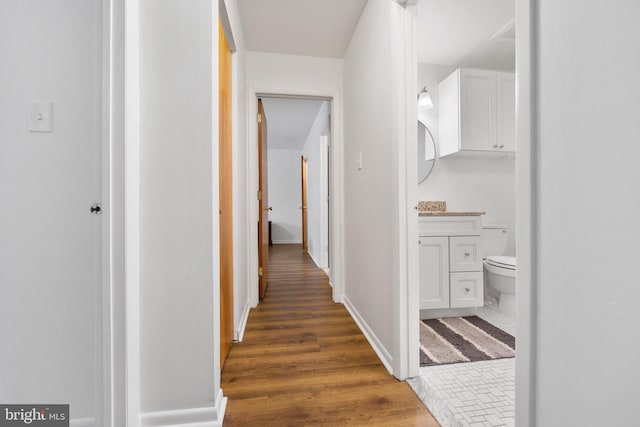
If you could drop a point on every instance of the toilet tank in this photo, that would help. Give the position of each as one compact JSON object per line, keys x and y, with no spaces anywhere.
{"x":493,"y":240}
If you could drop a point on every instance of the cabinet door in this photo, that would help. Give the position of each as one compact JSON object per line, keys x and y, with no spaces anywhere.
{"x":467,"y":289}
{"x":478,"y":110}
{"x":449,"y":114}
{"x":506,"y":111}
{"x":464,"y":253}
{"x":434,"y":272}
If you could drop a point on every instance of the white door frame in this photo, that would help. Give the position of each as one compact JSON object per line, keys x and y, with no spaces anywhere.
{"x":337,"y":206}
{"x":406,"y":294}
{"x":525,"y":208}
{"x":121,"y":184}
{"x":112,"y":408}
{"x":325,"y":144}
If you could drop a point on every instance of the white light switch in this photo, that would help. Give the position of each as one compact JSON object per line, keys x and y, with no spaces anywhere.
{"x":41,"y":116}
{"x":359,"y":161}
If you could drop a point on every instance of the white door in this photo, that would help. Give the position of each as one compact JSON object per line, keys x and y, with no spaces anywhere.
{"x":434,"y":272}
{"x":50,"y":275}
{"x":478,"y":109}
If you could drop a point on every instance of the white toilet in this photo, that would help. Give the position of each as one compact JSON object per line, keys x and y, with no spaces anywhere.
{"x":499,"y":270}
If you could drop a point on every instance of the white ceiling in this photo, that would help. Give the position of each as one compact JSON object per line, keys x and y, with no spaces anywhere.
{"x":289,"y":121}
{"x":459,"y":33}
{"x":300,"y":27}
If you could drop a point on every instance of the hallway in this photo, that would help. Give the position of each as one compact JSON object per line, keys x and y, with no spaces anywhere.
{"x":304,"y":361}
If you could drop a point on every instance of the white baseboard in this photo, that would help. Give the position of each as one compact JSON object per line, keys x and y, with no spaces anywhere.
{"x":315,"y":260}
{"x":239,"y":334}
{"x":210,"y":416}
{"x":81,"y":422}
{"x":382,"y":352}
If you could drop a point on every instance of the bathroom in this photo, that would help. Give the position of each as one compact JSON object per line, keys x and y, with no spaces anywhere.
{"x":478,"y":184}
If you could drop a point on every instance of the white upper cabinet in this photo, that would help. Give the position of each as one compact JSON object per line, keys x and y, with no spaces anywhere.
{"x":477,"y":113}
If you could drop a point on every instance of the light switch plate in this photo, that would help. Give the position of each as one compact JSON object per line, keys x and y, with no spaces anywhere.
{"x":41,"y":116}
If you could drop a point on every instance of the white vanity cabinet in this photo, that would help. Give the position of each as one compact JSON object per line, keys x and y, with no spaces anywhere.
{"x":477,"y":113}
{"x":450,"y":262}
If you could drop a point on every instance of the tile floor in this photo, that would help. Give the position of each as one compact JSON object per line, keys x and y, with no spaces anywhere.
{"x":474,"y":394}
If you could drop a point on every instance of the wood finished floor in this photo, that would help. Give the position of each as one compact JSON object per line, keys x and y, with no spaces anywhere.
{"x":303,"y":360}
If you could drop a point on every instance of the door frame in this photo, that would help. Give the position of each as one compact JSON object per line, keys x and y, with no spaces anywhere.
{"x":303,"y":204}
{"x":336,"y":214}
{"x":121,"y":224}
{"x":325,"y":225}
{"x":112,"y":357}
{"x":526,"y":74}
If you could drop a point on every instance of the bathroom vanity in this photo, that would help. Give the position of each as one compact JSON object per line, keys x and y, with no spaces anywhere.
{"x":451,"y":273}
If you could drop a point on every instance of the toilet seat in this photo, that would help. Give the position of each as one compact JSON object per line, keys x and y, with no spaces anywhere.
{"x":506,"y":262}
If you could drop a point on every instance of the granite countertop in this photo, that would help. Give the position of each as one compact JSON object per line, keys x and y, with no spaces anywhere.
{"x":448,"y":213}
{"x":439,"y":208}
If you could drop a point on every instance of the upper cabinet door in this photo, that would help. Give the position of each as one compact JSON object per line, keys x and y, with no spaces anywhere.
{"x":478,"y":109}
{"x":506,"y":111}
{"x":477,"y":114}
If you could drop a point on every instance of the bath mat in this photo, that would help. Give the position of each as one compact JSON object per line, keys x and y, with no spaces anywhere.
{"x":463,"y":339}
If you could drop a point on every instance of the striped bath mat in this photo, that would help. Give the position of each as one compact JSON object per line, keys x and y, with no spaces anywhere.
{"x":462,"y":339}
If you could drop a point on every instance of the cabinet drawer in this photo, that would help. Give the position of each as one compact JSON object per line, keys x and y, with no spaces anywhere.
{"x":464,"y":254}
{"x":466,"y":289}
{"x":450,"y":226}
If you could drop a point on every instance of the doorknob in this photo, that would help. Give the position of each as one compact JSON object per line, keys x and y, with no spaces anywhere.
{"x":96,"y":209}
{"x":268,"y":208}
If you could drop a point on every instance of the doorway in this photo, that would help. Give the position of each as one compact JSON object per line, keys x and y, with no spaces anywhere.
{"x":298,"y":151}
{"x":455,"y":176}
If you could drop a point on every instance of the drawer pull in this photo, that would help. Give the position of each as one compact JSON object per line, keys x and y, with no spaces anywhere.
{"x":467,"y":290}
{"x":467,"y":254}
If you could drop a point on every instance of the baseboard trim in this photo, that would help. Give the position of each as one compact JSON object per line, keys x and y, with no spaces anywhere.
{"x":81,"y":422}
{"x":382,"y":353}
{"x":315,"y":260}
{"x":239,"y":334}
{"x":209,"y":416}
{"x":286,"y":242}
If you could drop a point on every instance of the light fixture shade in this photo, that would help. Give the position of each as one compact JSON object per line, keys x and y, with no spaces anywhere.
{"x":424,"y":99}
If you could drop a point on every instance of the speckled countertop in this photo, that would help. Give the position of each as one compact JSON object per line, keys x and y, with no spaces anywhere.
{"x":448,"y":213}
{"x":439,"y":208}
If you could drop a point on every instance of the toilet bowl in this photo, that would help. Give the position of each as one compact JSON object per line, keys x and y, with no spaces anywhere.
{"x":500,"y":273}
{"x":499,"y":270}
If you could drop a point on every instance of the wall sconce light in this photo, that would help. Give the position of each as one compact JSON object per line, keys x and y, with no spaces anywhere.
{"x":424,"y":99}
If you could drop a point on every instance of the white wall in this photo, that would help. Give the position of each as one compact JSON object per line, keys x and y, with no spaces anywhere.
{"x":312,"y":151}
{"x":50,"y":296}
{"x":370,"y":192}
{"x":467,"y":184}
{"x":285,"y":195}
{"x":179,"y":261}
{"x":283,"y":73}
{"x":586,"y":232}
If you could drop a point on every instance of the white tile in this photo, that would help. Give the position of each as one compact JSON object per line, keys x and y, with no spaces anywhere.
{"x":470,"y":394}
{"x":494,"y":420}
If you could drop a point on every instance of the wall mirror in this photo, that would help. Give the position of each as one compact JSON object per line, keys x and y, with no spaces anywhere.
{"x":426,"y":152}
